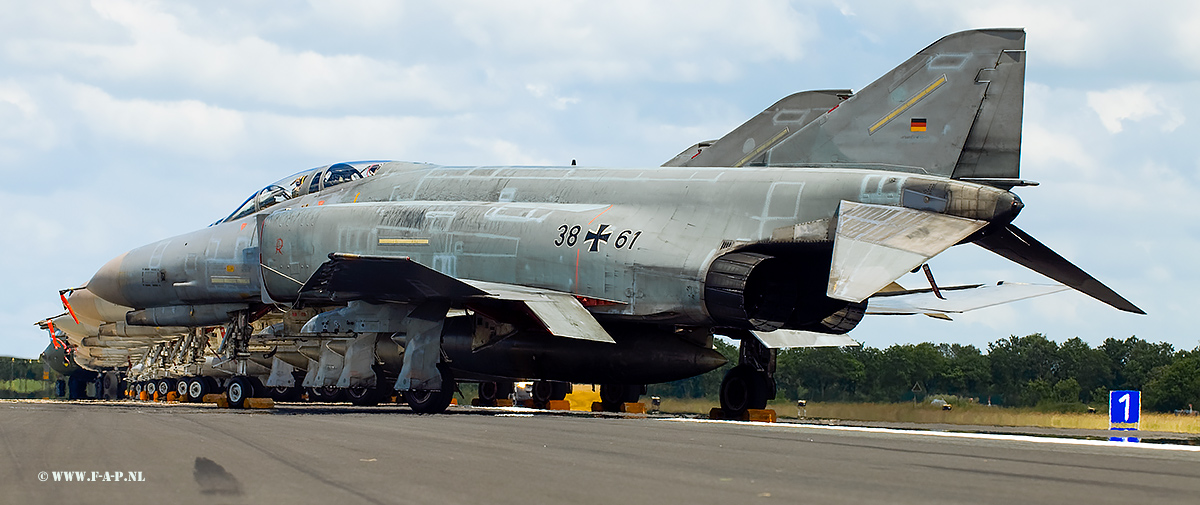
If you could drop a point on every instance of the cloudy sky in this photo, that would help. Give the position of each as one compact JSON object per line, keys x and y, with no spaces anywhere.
{"x":123,"y":122}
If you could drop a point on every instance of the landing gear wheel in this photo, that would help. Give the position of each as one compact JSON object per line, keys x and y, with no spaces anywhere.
{"x":364,"y":396}
{"x":612,"y":396}
{"x":165,"y":386}
{"x":239,"y":390}
{"x":545,"y":391}
{"x":326,"y":394}
{"x":260,"y":391}
{"x":110,"y":386}
{"x":285,"y":393}
{"x":197,"y":387}
{"x":181,"y":388}
{"x":491,"y":391}
{"x":334,"y":394}
{"x":433,"y":402}
{"x":210,"y":385}
{"x":744,"y":388}
{"x":542,"y":392}
{"x":560,"y":390}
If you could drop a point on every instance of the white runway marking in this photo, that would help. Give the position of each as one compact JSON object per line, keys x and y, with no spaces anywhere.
{"x":949,"y":434}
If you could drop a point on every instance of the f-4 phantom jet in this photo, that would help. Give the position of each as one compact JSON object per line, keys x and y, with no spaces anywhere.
{"x":381,"y":277}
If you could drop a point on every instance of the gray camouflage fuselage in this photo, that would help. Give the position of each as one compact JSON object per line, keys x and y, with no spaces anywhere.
{"x":641,"y":237}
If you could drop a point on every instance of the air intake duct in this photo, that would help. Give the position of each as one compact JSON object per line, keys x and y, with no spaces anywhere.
{"x":750,"y":290}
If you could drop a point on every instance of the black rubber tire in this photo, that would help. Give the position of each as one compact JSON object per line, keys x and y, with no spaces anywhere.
{"x":433,"y":402}
{"x":238,"y":390}
{"x":560,"y":390}
{"x":181,"y":388}
{"x":743,"y":388}
{"x":212,"y":385}
{"x":364,"y":396}
{"x":612,"y":396}
{"x":168,"y":384}
{"x":109,"y":386}
{"x":327,"y":394}
{"x":285,"y":393}
{"x":197,"y":388}
{"x":543,"y":391}
{"x":488,"y":391}
{"x":260,"y":391}
{"x":334,"y":394}
{"x":492,"y":391}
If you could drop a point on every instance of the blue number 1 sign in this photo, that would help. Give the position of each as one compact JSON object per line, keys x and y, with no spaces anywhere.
{"x":1124,"y":409}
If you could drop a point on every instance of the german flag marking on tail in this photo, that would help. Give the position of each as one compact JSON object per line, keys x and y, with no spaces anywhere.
{"x":917,"y":124}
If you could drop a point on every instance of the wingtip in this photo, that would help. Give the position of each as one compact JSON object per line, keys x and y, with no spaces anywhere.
{"x":1133,"y":308}
{"x":1018,"y":246}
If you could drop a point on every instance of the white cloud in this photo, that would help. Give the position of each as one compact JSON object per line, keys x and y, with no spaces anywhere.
{"x":22,"y":123}
{"x":159,"y":51}
{"x":1133,"y":103}
{"x":188,"y":126}
{"x":545,"y":92}
{"x":624,"y":40}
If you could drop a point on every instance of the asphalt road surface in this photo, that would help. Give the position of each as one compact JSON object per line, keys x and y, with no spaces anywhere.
{"x":345,"y":455}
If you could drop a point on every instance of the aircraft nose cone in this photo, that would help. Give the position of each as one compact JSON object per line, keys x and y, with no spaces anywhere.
{"x":107,"y":282}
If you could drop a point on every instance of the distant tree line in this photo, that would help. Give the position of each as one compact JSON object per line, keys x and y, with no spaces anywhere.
{"x":1030,"y":371}
{"x":23,"y":378}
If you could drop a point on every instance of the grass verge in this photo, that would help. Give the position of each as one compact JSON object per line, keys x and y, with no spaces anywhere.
{"x":961,"y":414}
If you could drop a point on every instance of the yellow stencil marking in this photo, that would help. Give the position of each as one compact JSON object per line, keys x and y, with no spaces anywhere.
{"x":758,"y":150}
{"x":908,"y":103}
{"x":403,"y":241}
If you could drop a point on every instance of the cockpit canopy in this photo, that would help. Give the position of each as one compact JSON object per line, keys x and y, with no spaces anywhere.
{"x":309,"y":181}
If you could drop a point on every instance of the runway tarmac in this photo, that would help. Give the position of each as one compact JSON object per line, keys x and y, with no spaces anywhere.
{"x":333,"y":454}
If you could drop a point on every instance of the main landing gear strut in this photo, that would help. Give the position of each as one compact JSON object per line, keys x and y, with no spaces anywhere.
{"x":752,"y":382}
{"x":240,"y":387}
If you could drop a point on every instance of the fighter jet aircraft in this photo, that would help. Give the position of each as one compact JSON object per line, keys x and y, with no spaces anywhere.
{"x":397,"y":276}
{"x":101,"y":351}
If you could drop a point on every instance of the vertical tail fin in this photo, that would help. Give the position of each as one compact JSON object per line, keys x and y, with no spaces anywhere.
{"x":748,"y":141}
{"x":952,"y":109}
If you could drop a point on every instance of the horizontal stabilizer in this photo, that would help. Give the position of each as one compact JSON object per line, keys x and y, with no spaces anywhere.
{"x":876,"y":244}
{"x":1018,"y":246}
{"x":958,"y":298}
{"x":560,"y":313}
{"x":786,"y":339}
